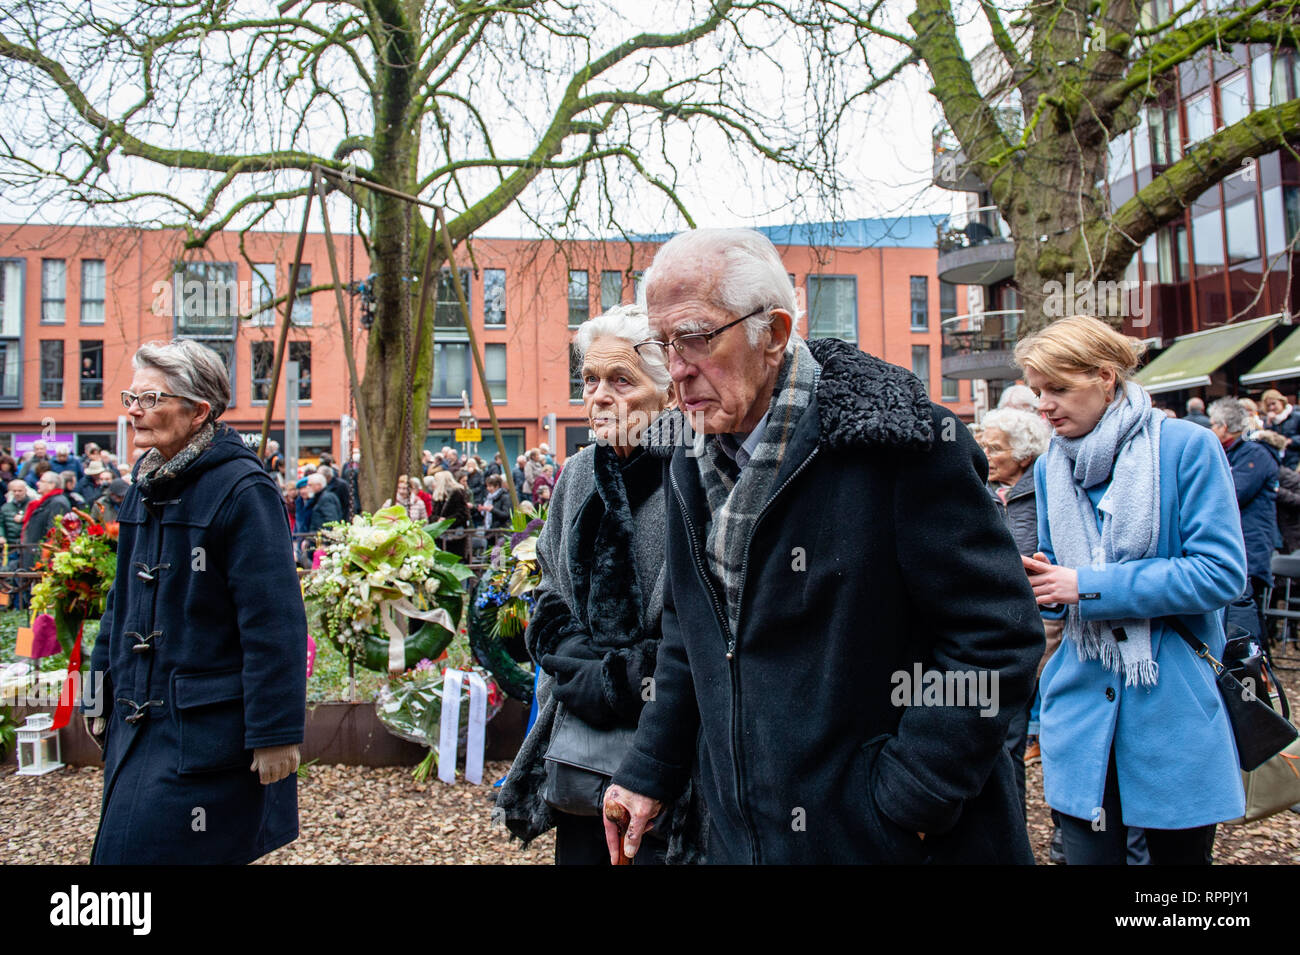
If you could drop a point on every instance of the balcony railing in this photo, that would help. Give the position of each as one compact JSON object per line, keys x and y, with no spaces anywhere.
{"x":973,"y":227}
{"x":985,"y":331}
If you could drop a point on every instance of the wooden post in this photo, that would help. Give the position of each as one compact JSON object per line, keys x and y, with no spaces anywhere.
{"x":284,"y":328}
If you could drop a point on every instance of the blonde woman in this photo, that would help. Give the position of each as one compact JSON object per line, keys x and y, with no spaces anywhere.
{"x":451,"y":500}
{"x":1137,"y":521}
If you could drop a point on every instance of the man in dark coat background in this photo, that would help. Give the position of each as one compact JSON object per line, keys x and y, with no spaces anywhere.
{"x":203,"y":643}
{"x":50,"y":504}
{"x":831,"y":551}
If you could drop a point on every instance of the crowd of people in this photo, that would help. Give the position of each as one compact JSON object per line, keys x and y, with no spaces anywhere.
{"x":453,"y":486}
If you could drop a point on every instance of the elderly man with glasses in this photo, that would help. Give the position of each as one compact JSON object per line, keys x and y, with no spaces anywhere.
{"x":847,"y":627}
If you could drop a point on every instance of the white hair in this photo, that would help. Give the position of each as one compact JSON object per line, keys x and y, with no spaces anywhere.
{"x":1026,"y":432}
{"x":749,"y":274}
{"x":1229,"y":413}
{"x":628,"y":323}
{"x":1019,"y":396}
{"x":316,"y":479}
{"x":191,"y":370}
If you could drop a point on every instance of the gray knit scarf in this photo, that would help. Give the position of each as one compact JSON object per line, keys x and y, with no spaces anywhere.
{"x":157,"y":471}
{"x":737,"y":496}
{"x":1126,"y":441}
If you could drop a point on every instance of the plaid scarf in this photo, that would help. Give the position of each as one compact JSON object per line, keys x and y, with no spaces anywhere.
{"x":157,"y":471}
{"x":737,"y":497}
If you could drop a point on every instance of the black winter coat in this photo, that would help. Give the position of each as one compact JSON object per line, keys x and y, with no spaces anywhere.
{"x":1021,"y":513}
{"x":878,"y":552}
{"x":326,"y":509}
{"x":206,"y":580}
{"x":1288,"y":509}
{"x":1254,"y":473}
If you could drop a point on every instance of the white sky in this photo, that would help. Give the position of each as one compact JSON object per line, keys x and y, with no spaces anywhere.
{"x":884,"y":156}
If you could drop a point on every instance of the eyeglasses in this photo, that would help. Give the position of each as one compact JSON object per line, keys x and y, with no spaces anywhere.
{"x":694,"y":347}
{"x":148,"y":399}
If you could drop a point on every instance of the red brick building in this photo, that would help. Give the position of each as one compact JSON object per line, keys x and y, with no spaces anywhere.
{"x":75,"y":303}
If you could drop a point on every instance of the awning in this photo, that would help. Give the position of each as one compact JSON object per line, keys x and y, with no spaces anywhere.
{"x":1282,"y":362}
{"x":1188,"y":362}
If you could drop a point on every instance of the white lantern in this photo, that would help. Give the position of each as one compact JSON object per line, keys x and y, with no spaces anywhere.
{"x":38,"y":746}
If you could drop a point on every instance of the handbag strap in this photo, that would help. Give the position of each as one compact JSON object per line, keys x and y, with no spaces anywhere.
{"x":1201,"y":650}
{"x":1198,"y":646}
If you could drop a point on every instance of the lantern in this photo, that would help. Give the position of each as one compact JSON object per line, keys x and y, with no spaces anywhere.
{"x":38,"y":746}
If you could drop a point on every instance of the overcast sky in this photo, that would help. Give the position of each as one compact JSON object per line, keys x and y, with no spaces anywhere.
{"x":884,"y":156}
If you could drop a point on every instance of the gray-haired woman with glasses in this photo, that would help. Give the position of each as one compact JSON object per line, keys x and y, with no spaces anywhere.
{"x":203,"y":643}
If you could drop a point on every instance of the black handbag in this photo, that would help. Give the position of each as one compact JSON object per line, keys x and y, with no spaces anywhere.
{"x":1259,"y":730}
{"x":580,"y":761}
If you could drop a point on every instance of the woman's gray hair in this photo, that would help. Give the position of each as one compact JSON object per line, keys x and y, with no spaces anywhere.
{"x":630,"y":324}
{"x":1026,"y":432}
{"x":1229,"y":413}
{"x":191,"y":370}
{"x":749,"y":274}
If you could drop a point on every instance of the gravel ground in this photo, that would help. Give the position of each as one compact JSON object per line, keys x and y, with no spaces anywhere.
{"x":353,"y":814}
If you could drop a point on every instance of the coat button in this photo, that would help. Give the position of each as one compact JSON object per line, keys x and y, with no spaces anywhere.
{"x":1110,"y":694}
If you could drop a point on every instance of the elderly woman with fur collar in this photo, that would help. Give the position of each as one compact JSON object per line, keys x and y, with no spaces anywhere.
{"x":596,"y":627}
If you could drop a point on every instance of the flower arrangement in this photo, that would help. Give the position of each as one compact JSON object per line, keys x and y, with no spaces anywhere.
{"x":384,"y":556}
{"x":505,"y":595}
{"x":410,"y":707}
{"x":79,"y":568}
{"x":504,"y":602}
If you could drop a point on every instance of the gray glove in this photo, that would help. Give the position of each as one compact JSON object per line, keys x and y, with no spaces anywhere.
{"x":96,"y":727}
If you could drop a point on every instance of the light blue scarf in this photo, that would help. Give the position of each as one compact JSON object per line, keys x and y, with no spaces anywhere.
{"x":1126,"y":441}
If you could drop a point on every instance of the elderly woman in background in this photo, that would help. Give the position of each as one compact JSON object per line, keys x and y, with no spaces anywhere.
{"x":1137,"y":523}
{"x":596,"y":627}
{"x":410,"y":500}
{"x":1280,"y":417}
{"x":203,"y":644}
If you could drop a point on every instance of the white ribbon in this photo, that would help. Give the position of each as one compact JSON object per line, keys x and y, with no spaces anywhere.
{"x":449,"y":729}
{"x":476,"y":740}
{"x":388,"y":611}
{"x":449,"y":732}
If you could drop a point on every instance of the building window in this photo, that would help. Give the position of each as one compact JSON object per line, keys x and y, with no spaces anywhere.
{"x":1291,"y":199}
{"x":446,"y":310}
{"x":921,"y":364}
{"x":1200,"y":118}
{"x":1234,"y":98}
{"x":1207,"y":242}
{"x":1171,"y":255}
{"x":301,"y":353}
{"x":1120,"y":156}
{"x":92,"y":291}
{"x":947,"y":301}
{"x":1166,"y":140}
{"x":11,"y":329}
{"x":451,"y":370}
{"x":1243,"y":232}
{"x":611,"y":290}
{"x":208,"y":300}
{"x":494,"y":366}
{"x":92,"y":372}
{"x":494,"y":296}
{"x":833,"y":307}
{"x":575,"y":375}
{"x":920,"y":303}
{"x":951,"y":389}
{"x":579,"y":298}
{"x":302,"y":303}
{"x":263,"y":293}
{"x":51,"y":372}
{"x":638,"y":276}
{"x":54,"y":285}
{"x":262,"y":363}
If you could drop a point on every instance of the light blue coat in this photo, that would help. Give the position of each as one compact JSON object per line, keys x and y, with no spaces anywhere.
{"x":1174,"y":752}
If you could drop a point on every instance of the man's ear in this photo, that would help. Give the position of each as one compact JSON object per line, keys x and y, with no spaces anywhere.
{"x":671,"y":403}
{"x":778,"y":331}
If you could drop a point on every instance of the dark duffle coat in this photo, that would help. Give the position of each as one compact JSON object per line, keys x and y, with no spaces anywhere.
{"x":206,"y":568}
{"x":878,"y":551}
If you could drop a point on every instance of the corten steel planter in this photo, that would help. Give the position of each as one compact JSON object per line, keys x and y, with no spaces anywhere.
{"x":347,"y":734}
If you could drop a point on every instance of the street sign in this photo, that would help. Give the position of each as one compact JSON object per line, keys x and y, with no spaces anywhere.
{"x":471,"y":435}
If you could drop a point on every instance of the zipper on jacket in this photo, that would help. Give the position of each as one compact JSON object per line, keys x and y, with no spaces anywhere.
{"x":733,"y":668}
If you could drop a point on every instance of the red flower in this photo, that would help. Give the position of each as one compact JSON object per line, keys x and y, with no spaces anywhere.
{"x":95,"y":530}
